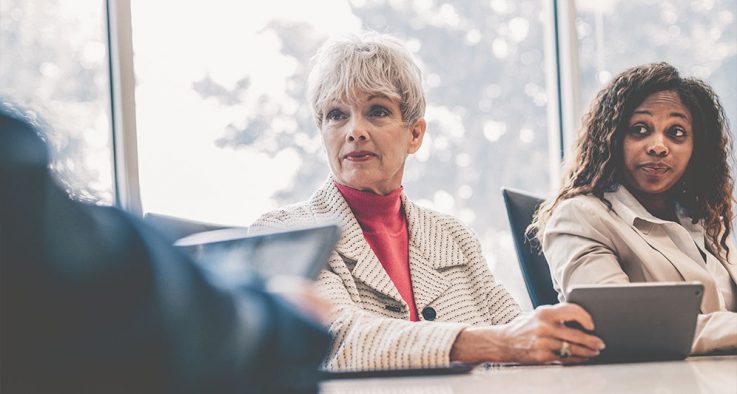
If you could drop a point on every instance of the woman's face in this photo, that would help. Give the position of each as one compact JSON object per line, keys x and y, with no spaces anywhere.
{"x":658,"y":144}
{"x":367,"y":142}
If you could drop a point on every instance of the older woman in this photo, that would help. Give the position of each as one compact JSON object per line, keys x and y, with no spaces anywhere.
{"x":410,"y":286}
{"x":649,"y":196}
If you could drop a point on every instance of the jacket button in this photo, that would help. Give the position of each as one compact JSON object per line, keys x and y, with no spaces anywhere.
{"x":428,"y":313}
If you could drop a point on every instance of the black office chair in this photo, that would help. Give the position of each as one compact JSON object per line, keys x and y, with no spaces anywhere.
{"x":535,"y":271}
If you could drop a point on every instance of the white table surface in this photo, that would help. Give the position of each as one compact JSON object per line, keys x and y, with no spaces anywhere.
{"x":694,"y":375}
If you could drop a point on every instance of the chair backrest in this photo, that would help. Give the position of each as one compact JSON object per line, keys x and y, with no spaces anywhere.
{"x":535,"y":270}
{"x":174,"y":228}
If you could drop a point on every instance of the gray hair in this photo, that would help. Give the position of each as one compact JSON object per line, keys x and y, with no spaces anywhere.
{"x":365,"y":63}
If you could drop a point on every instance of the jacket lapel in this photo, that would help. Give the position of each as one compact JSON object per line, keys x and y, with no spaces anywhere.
{"x":431,"y":250}
{"x":652,"y":231}
{"x":329,"y":205}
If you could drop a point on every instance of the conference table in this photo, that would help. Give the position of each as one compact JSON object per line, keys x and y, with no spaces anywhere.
{"x":695,"y":375}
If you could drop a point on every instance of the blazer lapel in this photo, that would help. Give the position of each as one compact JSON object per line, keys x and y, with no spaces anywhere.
{"x":329,"y":205}
{"x":690,"y":269}
{"x":431,"y":250}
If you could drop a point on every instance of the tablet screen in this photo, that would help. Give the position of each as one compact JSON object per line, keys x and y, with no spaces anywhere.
{"x":302,"y":252}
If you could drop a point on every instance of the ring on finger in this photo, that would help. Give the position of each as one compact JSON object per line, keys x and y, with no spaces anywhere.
{"x":565,"y":349}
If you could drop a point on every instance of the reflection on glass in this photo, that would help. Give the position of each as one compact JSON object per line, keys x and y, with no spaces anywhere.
{"x":54,"y":65}
{"x":225,"y":131}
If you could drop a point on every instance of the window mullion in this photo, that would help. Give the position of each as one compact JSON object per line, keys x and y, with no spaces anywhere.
{"x":123,"y":106}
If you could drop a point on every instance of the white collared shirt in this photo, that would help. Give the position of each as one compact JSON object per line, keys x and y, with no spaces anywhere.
{"x":690,"y":239}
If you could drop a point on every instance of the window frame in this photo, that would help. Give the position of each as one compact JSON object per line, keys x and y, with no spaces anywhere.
{"x":123,"y":106}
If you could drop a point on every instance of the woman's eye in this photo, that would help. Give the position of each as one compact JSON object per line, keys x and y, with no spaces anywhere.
{"x":379,"y":112}
{"x":677,"y":132}
{"x":639,"y":129}
{"x":335,"y":115}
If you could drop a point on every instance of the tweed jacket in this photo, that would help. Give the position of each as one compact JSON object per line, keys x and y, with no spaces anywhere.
{"x":370,"y":323}
{"x":585,"y":242}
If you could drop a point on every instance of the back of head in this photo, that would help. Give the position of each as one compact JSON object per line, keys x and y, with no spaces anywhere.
{"x":373,"y":63}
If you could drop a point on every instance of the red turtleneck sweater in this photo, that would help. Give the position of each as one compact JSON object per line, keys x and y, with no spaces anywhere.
{"x":385,"y":229}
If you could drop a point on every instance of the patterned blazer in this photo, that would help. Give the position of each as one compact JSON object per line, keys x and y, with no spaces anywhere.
{"x":451,"y":281}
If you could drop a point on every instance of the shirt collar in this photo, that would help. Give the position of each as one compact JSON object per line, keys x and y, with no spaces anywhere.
{"x":629,"y":209}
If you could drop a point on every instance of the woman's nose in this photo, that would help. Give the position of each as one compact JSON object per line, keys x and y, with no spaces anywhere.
{"x":358,"y":129}
{"x":657,"y":148}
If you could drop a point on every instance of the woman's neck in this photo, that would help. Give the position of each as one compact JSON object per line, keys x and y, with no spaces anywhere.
{"x":368,"y":204}
{"x":659,"y":205}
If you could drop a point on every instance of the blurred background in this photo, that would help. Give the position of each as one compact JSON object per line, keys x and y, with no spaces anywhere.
{"x":224,"y":130}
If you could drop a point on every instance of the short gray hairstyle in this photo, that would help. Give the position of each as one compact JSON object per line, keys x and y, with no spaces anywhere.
{"x":365,"y":63}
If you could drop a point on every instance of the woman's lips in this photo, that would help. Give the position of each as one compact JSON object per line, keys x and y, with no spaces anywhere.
{"x":358,"y":156}
{"x":654,"y":169}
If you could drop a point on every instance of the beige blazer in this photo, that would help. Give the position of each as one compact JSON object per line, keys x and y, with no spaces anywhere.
{"x":370,"y":323}
{"x":585,"y":243}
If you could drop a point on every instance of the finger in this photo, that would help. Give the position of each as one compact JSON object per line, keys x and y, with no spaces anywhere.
{"x":546,"y":350}
{"x":576,"y":353}
{"x":583,"y":352}
{"x":564,"y":312}
{"x":578,"y":337}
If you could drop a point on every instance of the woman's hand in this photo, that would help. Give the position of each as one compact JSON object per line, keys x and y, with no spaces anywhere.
{"x":533,"y":338}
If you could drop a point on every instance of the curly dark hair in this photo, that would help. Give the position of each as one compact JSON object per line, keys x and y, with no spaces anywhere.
{"x":705,"y":189}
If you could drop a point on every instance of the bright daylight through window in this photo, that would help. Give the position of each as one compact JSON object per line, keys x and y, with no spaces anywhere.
{"x":224,"y":127}
{"x":54,"y":66}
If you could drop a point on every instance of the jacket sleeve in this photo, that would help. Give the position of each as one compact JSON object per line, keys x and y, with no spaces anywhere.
{"x":502,"y":307}
{"x":578,"y":247}
{"x":716,"y":331}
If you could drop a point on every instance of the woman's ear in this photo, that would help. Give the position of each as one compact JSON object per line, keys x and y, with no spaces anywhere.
{"x":417,"y":131}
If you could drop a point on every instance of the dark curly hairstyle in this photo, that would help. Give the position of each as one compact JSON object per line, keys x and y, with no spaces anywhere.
{"x":705,"y":189}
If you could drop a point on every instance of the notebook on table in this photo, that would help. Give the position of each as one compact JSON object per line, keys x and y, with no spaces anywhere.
{"x":642,"y":321}
{"x":454,"y":368}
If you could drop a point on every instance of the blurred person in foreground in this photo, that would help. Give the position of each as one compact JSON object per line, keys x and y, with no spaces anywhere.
{"x":410,"y":286}
{"x":648,"y":197}
{"x":93,"y":301}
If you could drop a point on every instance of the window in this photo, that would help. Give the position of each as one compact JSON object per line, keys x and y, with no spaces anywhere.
{"x":225,"y":132}
{"x":697,"y":37}
{"x":224,"y":129}
{"x":54,"y":67}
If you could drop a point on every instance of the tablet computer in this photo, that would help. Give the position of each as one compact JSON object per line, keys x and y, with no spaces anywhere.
{"x":642,"y":321}
{"x":300,"y":252}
